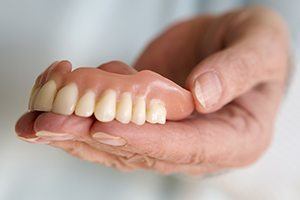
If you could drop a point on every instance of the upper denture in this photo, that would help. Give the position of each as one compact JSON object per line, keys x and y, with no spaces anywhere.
{"x":110,"y":95}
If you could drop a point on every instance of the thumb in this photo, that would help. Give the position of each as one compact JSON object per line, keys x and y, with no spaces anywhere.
{"x":227,"y":74}
{"x":255,"y":52}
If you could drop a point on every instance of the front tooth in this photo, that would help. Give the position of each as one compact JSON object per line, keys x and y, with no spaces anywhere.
{"x":44,"y":98}
{"x":85,"y":105}
{"x":139,"y":111}
{"x":156,"y":113}
{"x":33,"y":94}
{"x":105,"y":109}
{"x":124,"y":108}
{"x":66,"y":99}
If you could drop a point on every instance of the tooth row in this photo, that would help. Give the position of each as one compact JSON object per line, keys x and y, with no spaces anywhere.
{"x":107,"y":108}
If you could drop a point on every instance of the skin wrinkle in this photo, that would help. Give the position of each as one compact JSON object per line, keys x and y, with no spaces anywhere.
{"x":250,"y":123}
{"x":109,"y":149}
{"x":198,"y":157}
{"x":258,"y":130}
{"x":76,"y":146}
{"x":227,"y":121}
{"x":207,"y":138}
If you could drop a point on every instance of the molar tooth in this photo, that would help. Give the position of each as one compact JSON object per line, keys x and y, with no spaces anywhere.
{"x":66,"y":99}
{"x":85,"y":105}
{"x":124,"y":108}
{"x":139,"y":111}
{"x":45,"y":96}
{"x":156,"y":113}
{"x":105,"y":109}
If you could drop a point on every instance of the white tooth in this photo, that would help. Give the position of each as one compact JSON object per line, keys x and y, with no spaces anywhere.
{"x":33,"y":94}
{"x":124,"y":108}
{"x":156,"y":112}
{"x":86,"y":104}
{"x":44,"y":98}
{"x":66,"y":99}
{"x":139,"y":111}
{"x":105,"y":109}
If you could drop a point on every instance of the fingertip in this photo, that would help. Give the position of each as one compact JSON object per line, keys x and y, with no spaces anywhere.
{"x":117,"y":67}
{"x":25,"y":124}
{"x":207,"y":90}
{"x":63,"y":66}
{"x":54,"y":123}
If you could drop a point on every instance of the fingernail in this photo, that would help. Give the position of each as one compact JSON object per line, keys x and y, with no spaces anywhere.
{"x":208,"y":89}
{"x":105,"y":138}
{"x":54,"y":136}
{"x":34,"y":140}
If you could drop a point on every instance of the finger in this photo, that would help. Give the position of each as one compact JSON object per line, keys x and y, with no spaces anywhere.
{"x":62,"y":67}
{"x":172,"y":53}
{"x":24,"y":127}
{"x":40,"y":127}
{"x":117,"y":67}
{"x":250,"y":57}
{"x":168,"y":168}
{"x":54,"y":127}
{"x":124,"y":162}
{"x":86,"y":152}
{"x":175,"y":141}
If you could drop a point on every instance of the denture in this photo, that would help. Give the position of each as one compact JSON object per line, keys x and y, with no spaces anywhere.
{"x":139,"y":97}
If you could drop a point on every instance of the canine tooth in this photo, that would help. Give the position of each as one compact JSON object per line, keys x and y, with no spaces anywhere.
{"x":105,"y":109}
{"x":85,"y":105}
{"x":66,"y":99}
{"x":44,"y":98}
{"x":33,"y":94}
{"x":124,"y":108}
{"x":139,"y":111}
{"x":156,"y":113}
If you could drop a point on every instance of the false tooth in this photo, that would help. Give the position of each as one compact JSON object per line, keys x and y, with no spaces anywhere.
{"x":44,"y":98}
{"x":66,"y":99}
{"x":85,"y":105}
{"x":124,"y":108}
{"x":105,"y":109}
{"x":156,"y":112}
{"x":139,"y":111}
{"x":33,"y":94}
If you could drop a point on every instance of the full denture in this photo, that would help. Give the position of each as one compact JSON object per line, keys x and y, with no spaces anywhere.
{"x":139,"y":97}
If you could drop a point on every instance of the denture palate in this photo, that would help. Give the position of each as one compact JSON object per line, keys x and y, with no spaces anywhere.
{"x":138,"y":98}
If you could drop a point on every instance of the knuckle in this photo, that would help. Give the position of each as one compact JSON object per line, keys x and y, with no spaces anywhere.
{"x":75,"y":149}
{"x":197,"y":158}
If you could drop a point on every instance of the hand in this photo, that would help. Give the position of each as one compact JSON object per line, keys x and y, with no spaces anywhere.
{"x":236,"y":66}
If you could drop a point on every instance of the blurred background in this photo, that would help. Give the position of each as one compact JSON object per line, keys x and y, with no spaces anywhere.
{"x":35,"y":33}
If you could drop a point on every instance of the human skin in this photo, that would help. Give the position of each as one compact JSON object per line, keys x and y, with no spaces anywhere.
{"x":235,"y":65}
